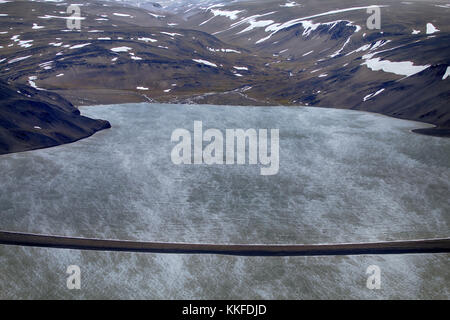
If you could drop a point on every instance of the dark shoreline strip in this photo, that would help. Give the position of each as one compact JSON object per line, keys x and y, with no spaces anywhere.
{"x":391,"y":247}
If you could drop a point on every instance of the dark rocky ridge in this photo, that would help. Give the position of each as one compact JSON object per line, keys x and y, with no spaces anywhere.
{"x":32,"y":119}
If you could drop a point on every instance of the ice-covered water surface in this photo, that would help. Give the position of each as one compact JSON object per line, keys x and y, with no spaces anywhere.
{"x":344,"y":176}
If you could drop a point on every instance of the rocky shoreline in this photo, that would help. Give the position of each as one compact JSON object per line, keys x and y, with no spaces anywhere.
{"x":236,"y":98}
{"x":44,"y":119}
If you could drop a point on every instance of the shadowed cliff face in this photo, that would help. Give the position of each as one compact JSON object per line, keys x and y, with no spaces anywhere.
{"x":32,"y":119}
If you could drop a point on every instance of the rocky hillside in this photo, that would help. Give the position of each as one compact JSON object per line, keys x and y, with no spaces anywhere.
{"x":335,"y":60}
{"x":30,"y":119}
{"x":265,"y":52}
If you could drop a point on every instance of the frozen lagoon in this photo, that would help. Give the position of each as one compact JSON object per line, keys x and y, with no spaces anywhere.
{"x":344,"y":176}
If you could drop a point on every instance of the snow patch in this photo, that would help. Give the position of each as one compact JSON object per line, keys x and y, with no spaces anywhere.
{"x":78,"y":46}
{"x":156,"y":15}
{"x":35,"y":26}
{"x":431,"y":29}
{"x":370,"y":96}
{"x":18,"y":59}
{"x":205,"y":62}
{"x":404,"y":68}
{"x":173,"y":34}
{"x":223,"y":50}
{"x":121,"y":49}
{"x":232,"y":15}
{"x":122,"y":15}
{"x":147,"y":39}
{"x":32,"y":83}
{"x":290,"y":4}
{"x":447,"y":73}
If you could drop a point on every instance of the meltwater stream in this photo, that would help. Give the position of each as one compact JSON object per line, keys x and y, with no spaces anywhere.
{"x":345,"y":176}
